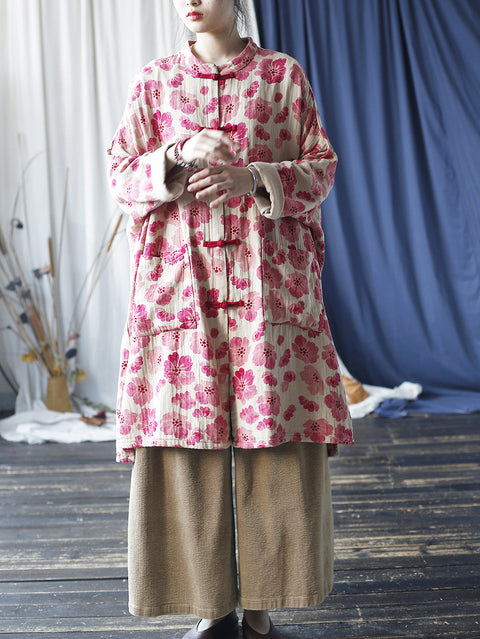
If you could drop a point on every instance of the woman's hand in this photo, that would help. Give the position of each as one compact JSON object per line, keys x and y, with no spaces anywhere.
{"x":211,"y":145}
{"x":217,"y":184}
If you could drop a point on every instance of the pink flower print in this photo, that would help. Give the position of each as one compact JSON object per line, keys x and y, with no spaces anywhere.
{"x":297,"y":309}
{"x":186,"y":102}
{"x":211,"y":107}
{"x":184,"y":400}
{"x":229,"y":106}
{"x":305,"y":195}
{"x":241,"y":283}
{"x":162,"y":126}
{"x":239,"y":350}
{"x":140,"y":390}
{"x":238,"y":227}
{"x":343,"y":435}
{"x":252,"y":89}
{"x":289,"y":413}
{"x":203,"y":411}
{"x":278,"y":437}
{"x":296,"y":75}
{"x":288,"y":377}
{"x":189,"y":125}
{"x":269,"y":404}
{"x":260,"y":332}
{"x":312,"y":378}
{"x":264,"y":354}
{"x":148,"y":423}
{"x":259,"y":109}
{"x":290,"y":229}
{"x":175,"y":425}
{"x":334,"y":380}
{"x":221,"y":351}
{"x":297,"y":284}
{"x":244,"y":438}
{"x":209,"y":370}
{"x":137,"y":364}
{"x":309,"y":405}
{"x":269,"y":379}
{"x":337,"y":406}
{"x":243,"y":257}
{"x":261,"y":133}
{"x":139,"y":319}
{"x":272,"y":70}
{"x":218,"y":431}
{"x":161,"y":295}
{"x":124,"y":363}
{"x":194,"y":439}
{"x":300,"y":259}
{"x":208,"y":393}
{"x":294,"y":208}
{"x":196,"y":213}
{"x":285,"y":358}
{"x":176,"y":81}
{"x":249,"y":415}
{"x":204,"y":90}
{"x":153,"y":92}
{"x":200,"y":267}
{"x":207,"y":296}
{"x":164,"y":63}
{"x":275,"y":303}
{"x":243,"y":385}
{"x":126,"y":419}
{"x":289,"y":179}
{"x":330,"y":356}
{"x":281,"y":115}
{"x":283,"y":136}
{"x":201,"y":345}
{"x":268,"y":422}
{"x":136,"y":92}
{"x":305,"y":350}
{"x":251,"y":305}
{"x":260,"y":153}
{"x":138,"y":442}
{"x":269,"y":275}
{"x":178,"y":370}
{"x":317,"y":430}
{"x":298,"y":108}
{"x":240,"y":136}
{"x":173,"y":339}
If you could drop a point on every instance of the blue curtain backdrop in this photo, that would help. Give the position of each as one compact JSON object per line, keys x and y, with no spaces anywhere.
{"x":398,"y":88}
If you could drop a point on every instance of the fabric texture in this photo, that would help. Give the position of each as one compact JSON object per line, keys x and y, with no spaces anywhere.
{"x":181,"y":546}
{"x":398,"y":85}
{"x":226,"y":337}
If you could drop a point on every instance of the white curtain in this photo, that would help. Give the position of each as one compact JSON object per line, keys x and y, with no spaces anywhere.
{"x":65,"y":67}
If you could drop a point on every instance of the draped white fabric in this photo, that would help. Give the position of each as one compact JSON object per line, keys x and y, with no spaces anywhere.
{"x":65,"y":67}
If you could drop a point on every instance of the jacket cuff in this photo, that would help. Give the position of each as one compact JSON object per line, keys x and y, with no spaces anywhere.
{"x":165,"y":188}
{"x":270,"y":198}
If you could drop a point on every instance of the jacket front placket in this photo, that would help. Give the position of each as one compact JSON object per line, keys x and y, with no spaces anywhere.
{"x":217,"y":241}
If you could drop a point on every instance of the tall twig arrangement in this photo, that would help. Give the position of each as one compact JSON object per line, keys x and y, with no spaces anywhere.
{"x":31,"y":294}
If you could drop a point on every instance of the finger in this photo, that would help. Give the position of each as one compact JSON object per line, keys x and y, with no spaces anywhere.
{"x":210,"y":192}
{"x":226,"y":195}
{"x":202,"y":174}
{"x":209,"y":180}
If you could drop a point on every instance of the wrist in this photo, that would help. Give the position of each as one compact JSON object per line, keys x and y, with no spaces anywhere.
{"x":180,"y":160}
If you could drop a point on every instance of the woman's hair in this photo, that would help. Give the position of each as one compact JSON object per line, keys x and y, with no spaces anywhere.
{"x":241,"y":14}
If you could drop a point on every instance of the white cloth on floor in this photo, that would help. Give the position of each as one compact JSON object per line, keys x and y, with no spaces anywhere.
{"x":43,"y":425}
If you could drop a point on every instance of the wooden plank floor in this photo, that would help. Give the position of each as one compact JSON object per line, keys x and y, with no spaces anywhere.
{"x":407,"y":512}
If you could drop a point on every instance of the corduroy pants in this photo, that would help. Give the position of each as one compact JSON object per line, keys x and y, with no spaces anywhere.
{"x":181,"y":539}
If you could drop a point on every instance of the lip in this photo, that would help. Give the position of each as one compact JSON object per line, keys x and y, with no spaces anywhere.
{"x":194,"y":15}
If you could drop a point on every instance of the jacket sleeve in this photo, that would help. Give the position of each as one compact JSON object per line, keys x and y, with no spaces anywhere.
{"x":296,"y":188}
{"x":137,"y":163}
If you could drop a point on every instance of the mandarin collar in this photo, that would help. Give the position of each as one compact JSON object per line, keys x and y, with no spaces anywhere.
{"x":198,"y":68}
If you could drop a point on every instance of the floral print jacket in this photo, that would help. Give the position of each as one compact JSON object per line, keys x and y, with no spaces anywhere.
{"x":226,"y":340}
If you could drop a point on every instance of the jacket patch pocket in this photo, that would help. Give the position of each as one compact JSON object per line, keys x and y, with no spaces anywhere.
{"x":291,"y":282}
{"x":163,"y":297}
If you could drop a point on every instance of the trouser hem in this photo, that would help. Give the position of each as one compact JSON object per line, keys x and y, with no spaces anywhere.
{"x":288,"y":601}
{"x":182,"y":609}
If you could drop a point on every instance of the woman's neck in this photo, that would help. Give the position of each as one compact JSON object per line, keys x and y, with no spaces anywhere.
{"x":218,"y":48}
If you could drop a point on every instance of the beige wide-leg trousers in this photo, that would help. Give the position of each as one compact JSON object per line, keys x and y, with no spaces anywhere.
{"x":181,"y":541}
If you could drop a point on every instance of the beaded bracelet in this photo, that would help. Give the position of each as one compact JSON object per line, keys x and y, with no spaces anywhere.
{"x":177,"y":152}
{"x":254,"y":173}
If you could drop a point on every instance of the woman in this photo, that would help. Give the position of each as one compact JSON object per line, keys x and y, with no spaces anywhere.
{"x":222,"y":163}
